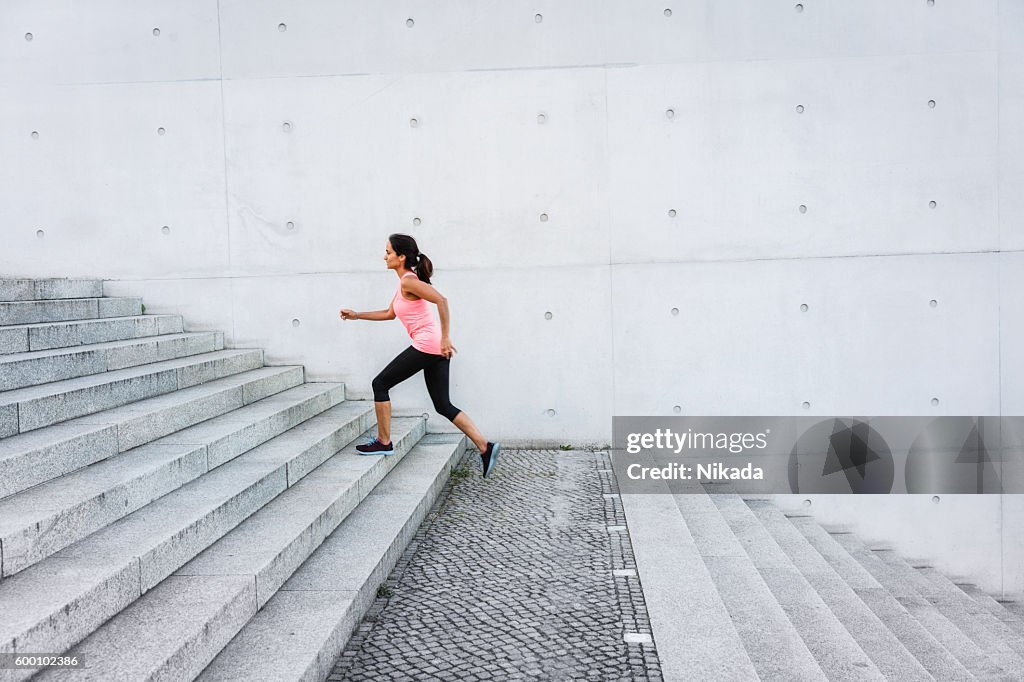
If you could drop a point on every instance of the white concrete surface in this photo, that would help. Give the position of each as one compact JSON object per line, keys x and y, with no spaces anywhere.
{"x":288,"y":154}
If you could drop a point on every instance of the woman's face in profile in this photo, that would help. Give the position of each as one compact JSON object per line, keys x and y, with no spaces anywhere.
{"x":390,"y":257}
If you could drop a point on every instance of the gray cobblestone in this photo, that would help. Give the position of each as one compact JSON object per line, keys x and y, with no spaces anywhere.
{"x":510,"y":578}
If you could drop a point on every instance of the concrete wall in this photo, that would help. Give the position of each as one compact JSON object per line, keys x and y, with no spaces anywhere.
{"x":627,"y":204}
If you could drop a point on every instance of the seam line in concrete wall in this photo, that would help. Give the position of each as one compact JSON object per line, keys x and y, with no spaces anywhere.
{"x":224,"y":150}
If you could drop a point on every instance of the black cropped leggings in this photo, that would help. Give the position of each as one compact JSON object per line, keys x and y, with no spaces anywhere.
{"x":435,"y":372}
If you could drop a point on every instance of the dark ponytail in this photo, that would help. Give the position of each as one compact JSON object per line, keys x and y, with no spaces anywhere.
{"x":404,"y":245}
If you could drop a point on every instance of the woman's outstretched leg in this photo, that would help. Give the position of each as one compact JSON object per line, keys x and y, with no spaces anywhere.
{"x":436,"y":376}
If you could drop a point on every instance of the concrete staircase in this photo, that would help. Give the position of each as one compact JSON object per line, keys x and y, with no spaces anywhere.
{"x":738,"y":590}
{"x":171,"y":509}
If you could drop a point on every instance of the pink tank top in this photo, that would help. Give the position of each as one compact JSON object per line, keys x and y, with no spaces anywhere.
{"x":419,"y":321}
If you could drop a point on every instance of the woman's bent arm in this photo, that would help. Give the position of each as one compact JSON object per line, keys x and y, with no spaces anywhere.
{"x":347,"y":314}
{"x":378,"y":315}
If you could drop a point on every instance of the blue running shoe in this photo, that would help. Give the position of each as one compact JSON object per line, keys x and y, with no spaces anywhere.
{"x":375,"y":447}
{"x":489,"y":457}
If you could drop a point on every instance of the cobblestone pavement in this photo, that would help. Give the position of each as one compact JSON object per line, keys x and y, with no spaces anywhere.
{"x":511,"y":578}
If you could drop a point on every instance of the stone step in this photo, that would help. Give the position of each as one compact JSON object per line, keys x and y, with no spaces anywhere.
{"x":835,"y":649}
{"x":997,"y":654}
{"x":27,"y":312}
{"x":325,"y":599}
{"x":34,"y":407}
{"x":1014,"y":607}
{"x":893,"y":639}
{"x":48,"y":289}
{"x":239,"y":578}
{"x":967,"y":621}
{"x":994,"y":606}
{"x":37,"y":456}
{"x":23,"y":338}
{"x":945,"y":588}
{"x":693,"y":631}
{"x":973,"y":658}
{"x":55,"y":514}
{"x":773,"y":642}
{"x":45,"y":366}
{"x":56,"y":603}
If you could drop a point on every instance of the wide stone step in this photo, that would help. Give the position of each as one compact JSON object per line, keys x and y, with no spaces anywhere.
{"x":55,"y":514}
{"x":994,"y":606}
{"x":973,"y":658}
{"x":325,"y":599}
{"x":944,"y":588}
{"x":695,"y":635}
{"x":240,"y":573}
{"x":774,"y":645}
{"x":893,"y":639}
{"x":23,"y":338}
{"x":36,"y":456}
{"x":27,"y":312}
{"x":836,"y":651}
{"x":34,"y":407}
{"x":45,"y":366}
{"x":54,"y":604}
{"x":1014,"y":607}
{"x":827,"y":544}
{"x":49,"y":288}
{"x":967,"y":621}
